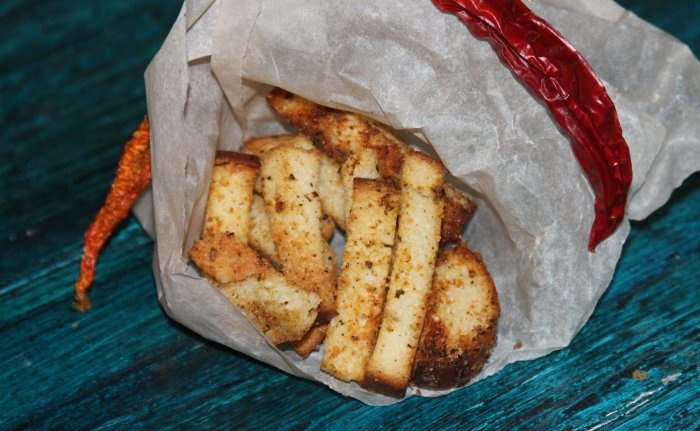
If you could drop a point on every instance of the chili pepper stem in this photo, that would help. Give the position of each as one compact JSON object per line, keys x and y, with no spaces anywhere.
{"x":81,"y":302}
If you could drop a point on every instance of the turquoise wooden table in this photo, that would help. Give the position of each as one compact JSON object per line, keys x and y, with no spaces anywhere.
{"x":71,"y":92}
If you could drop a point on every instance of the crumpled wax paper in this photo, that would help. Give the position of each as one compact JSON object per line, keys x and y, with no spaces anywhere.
{"x":420,"y":71}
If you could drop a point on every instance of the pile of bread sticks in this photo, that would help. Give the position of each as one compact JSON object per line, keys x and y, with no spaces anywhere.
{"x":407,"y":303}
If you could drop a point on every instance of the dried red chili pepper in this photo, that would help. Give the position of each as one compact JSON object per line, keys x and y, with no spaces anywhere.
{"x":133,"y":175}
{"x":547,"y":63}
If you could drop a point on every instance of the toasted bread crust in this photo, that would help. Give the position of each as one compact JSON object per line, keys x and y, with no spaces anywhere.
{"x":236,"y":158}
{"x":416,"y":249}
{"x":363,"y":279}
{"x":461,"y":324}
{"x":341,"y":134}
{"x":258,"y":145}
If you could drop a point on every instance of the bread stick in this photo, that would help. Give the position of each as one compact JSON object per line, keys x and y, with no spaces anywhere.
{"x":330,"y":188}
{"x":231,"y":194}
{"x":362,"y":281}
{"x":339,"y":133}
{"x":290,"y":178}
{"x":281,"y":311}
{"x":260,"y":237}
{"x":418,"y":236}
{"x":224,"y":258}
{"x":362,"y":164}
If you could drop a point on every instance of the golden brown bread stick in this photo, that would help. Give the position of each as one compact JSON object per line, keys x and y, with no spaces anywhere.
{"x":259,"y":236}
{"x":225,"y":258}
{"x":418,"y":236}
{"x":362,"y":164}
{"x":290,"y":178}
{"x":339,"y":133}
{"x":231,"y":194}
{"x":363,"y":278}
{"x":330,"y":188}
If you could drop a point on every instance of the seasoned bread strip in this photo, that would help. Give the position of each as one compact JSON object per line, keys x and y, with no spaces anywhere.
{"x":260,"y":237}
{"x":460,"y":327}
{"x":340,"y":134}
{"x":230,"y":194}
{"x":389,"y":367}
{"x":331,"y":191}
{"x":280,"y":310}
{"x":290,"y":190}
{"x":362,"y":164}
{"x":362,"y":282}
{"x":259,"y":145}
{"x":330,"y":186}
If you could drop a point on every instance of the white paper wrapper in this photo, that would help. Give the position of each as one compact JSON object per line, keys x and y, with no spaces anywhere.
{"x":420,"y":71}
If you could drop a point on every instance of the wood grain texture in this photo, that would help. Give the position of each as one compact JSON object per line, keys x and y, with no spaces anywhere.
{"x":71,"y":92}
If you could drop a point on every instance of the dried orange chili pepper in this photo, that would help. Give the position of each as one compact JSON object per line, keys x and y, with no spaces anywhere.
{"x":133,"y":175}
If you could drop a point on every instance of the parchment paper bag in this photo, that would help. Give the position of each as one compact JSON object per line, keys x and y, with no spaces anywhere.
{"x":420,"y":71}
